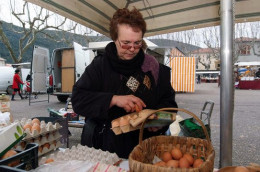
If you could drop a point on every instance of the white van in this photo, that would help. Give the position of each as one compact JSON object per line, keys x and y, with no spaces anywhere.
{"x":6,"y":79}
{"x":68,"y":64}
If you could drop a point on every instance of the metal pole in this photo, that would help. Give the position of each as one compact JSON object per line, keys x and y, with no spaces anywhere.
{"x":227,"y":85}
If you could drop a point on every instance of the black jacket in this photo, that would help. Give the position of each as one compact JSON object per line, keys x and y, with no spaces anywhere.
{"x":91,"y":98}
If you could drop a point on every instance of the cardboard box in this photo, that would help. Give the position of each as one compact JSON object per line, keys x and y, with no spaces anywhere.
{"x":10,"y":136}
{"x":4,"y":103}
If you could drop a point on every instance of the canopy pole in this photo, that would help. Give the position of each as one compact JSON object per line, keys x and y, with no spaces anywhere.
{"x":227,"y":85}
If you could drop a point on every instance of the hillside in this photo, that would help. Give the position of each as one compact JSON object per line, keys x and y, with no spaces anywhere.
{"x":51,"y":44}
{"x":40,"y":41}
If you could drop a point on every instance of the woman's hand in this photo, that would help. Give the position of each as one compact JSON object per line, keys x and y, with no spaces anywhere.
{"x":129,"y":103}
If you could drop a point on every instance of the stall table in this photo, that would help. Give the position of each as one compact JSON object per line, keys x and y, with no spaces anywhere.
{"x":253,"y":85}
{"x":209,"y":80}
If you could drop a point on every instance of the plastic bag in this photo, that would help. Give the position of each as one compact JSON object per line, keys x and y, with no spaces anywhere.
{"x":175,"y":126}
{"x":79,"y":166}
{"x":68,"y":166}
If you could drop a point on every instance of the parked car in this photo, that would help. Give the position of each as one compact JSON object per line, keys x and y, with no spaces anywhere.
{"x":6,"y":79}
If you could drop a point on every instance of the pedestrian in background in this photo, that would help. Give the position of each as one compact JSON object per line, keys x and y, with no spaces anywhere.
{"x":16,"y":84}
{"x":257,"y":74}
{"x":198,"y":79}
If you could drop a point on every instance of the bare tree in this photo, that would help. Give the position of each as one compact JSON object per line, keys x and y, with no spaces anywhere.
{"x":32,"y":22}
{"x":247,"y":39}
{"x":255,"y":27}
{"x":211,"y":39}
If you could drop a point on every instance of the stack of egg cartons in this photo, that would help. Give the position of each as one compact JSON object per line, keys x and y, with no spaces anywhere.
{"x":45,"y":134}
{"x":82,"y":153}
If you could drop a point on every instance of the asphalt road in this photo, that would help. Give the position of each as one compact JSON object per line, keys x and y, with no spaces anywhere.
{"x":246,"y":118}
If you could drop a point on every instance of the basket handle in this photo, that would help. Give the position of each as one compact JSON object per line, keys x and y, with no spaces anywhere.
{"x":176,"y":109}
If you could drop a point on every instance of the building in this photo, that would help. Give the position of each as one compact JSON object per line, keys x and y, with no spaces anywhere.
{"x":206,"y":58}
{"x":168,"y":49}
{"x":247,"y":49}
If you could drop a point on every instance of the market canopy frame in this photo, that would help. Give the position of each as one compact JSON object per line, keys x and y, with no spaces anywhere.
{"x":166,"y":16}
{"x":161,"y":16}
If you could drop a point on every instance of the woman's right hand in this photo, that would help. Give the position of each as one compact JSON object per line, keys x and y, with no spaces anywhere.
{"x":129,"y":103}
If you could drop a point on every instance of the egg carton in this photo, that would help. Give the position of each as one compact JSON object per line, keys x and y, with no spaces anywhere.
{"x":82,"y":153}
{"x":122,"y":124}
{"x":47,"y":147}
{"x":47,"y":138}
{"x":134,"y":120}
{"x":44,"y":128}
{"x":44,"y":145}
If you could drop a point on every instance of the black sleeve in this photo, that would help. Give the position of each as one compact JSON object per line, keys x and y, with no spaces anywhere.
{"x":165,"y":92}
{"x":88,"y":99}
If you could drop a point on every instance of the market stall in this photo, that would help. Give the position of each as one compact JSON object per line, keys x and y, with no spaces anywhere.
{"x":40,"y":148}
{"x":208,"y":76}
{"x":248,"y":84}
{"x":246,"y":75}
{"x":183,"y":74}
{"x":179,"y":26}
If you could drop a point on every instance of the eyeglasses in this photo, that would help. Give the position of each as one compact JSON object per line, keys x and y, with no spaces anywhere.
{"x":126,"y":45}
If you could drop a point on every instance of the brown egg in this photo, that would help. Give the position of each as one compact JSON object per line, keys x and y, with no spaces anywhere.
{"x":123,"y":121}
{"x":8,"y":154}
{"x":54,"y":142}
{"x":189,"y":158}
{"x":40,"y":149}
{"x":241,"y":169}
{"x":115,"y":124}
{"x":153,"y":116}
{"x":36,"y":127}
{"x":184,"y":163}
{"x":173,"y":163}
{"x":197,"y":163}
{"x":46,"y":145}
{"x":27,"y":126}
{"x":36,"y":120}
{"x":23,"y":144}
{"x":49,"y":160}
{"x":176,"y":153}
{"x":160,"y":163}
{"x":166,"y":156}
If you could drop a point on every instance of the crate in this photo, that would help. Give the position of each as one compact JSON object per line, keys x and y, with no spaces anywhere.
{"x":4,"y":168}
{"x":28,"y":159}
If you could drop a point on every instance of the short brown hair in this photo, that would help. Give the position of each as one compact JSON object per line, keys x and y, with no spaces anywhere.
{"x":124,"y":16}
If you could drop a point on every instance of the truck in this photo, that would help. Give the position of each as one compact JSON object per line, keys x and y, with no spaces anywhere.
{"x":67,"y":66}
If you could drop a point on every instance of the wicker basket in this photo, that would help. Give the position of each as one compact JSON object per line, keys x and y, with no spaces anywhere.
{"x":251,"y":168}
{"x":140,"y":159}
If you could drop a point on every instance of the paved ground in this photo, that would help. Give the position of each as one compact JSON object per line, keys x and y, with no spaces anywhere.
{"x":246,"y":137}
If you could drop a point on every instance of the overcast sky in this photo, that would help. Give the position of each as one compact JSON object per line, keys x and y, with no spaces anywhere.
{"x":5,"y":10}
{"x":5,"y":14}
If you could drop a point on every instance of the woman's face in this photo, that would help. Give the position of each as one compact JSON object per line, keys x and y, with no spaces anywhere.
{"x":128,"y":42}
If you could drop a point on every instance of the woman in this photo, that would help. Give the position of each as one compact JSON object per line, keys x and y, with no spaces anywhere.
{"x":117,"y":81}
{"x":16,"y":83}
